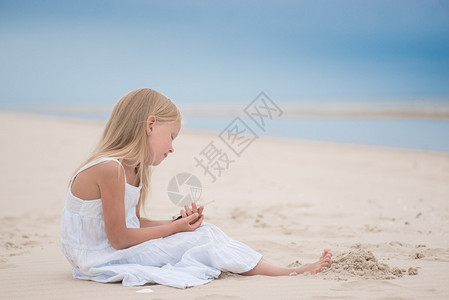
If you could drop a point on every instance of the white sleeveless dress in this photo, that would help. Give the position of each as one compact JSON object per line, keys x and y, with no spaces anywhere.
{"x":181,"y":260}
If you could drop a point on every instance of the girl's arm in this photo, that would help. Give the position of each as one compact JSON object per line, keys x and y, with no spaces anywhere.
{"x":144,"y":222}
{"x":111,"y":182}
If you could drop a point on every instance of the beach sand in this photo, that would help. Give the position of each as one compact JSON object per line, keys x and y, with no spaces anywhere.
{"x":383,"y":212}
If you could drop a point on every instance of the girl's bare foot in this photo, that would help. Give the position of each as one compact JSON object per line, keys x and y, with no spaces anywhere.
{"x":325,"y":261}
{"x":268,"y":269}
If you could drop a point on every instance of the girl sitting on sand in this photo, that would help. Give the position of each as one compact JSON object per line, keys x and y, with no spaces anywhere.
{"x":102,"y":233}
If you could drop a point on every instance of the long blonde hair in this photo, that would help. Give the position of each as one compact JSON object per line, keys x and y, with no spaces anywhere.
{"x":124,"y":136}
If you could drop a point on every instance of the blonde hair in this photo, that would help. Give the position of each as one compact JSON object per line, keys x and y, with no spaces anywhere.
{"x":124,"y":136}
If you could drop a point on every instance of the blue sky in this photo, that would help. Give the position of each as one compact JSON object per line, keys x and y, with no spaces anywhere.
{"x":93,"y":52}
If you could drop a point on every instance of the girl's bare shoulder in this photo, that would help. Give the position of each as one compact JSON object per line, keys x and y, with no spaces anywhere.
{"x":87,"y":183}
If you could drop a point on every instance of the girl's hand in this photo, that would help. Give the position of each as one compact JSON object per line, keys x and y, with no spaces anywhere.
{"x":188,"y":212}
{"x":188,"y":223}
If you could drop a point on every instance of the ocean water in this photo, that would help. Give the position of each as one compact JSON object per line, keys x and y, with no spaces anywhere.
{"x":419,"y":134}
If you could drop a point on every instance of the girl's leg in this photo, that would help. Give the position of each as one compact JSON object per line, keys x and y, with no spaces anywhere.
{"x":268,"y":269}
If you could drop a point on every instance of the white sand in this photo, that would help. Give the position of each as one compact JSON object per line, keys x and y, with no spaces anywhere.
{"x":287,"y":199}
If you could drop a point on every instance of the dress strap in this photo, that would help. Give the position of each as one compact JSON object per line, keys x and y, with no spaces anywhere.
{"x":96,"y":163}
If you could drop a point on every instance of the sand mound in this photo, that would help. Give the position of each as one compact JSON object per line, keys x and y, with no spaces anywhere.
{"x":360,"y":263}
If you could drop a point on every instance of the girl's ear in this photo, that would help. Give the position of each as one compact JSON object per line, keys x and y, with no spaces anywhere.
{"x":151,"y":121}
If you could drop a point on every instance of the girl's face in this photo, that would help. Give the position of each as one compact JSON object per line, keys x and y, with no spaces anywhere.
{"x":159,"y":139}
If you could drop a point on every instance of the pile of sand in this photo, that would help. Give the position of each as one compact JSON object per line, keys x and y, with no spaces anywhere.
{"x":362,"y":263}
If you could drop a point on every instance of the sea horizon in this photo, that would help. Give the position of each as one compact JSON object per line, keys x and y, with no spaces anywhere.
{"x":418,"y":125}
